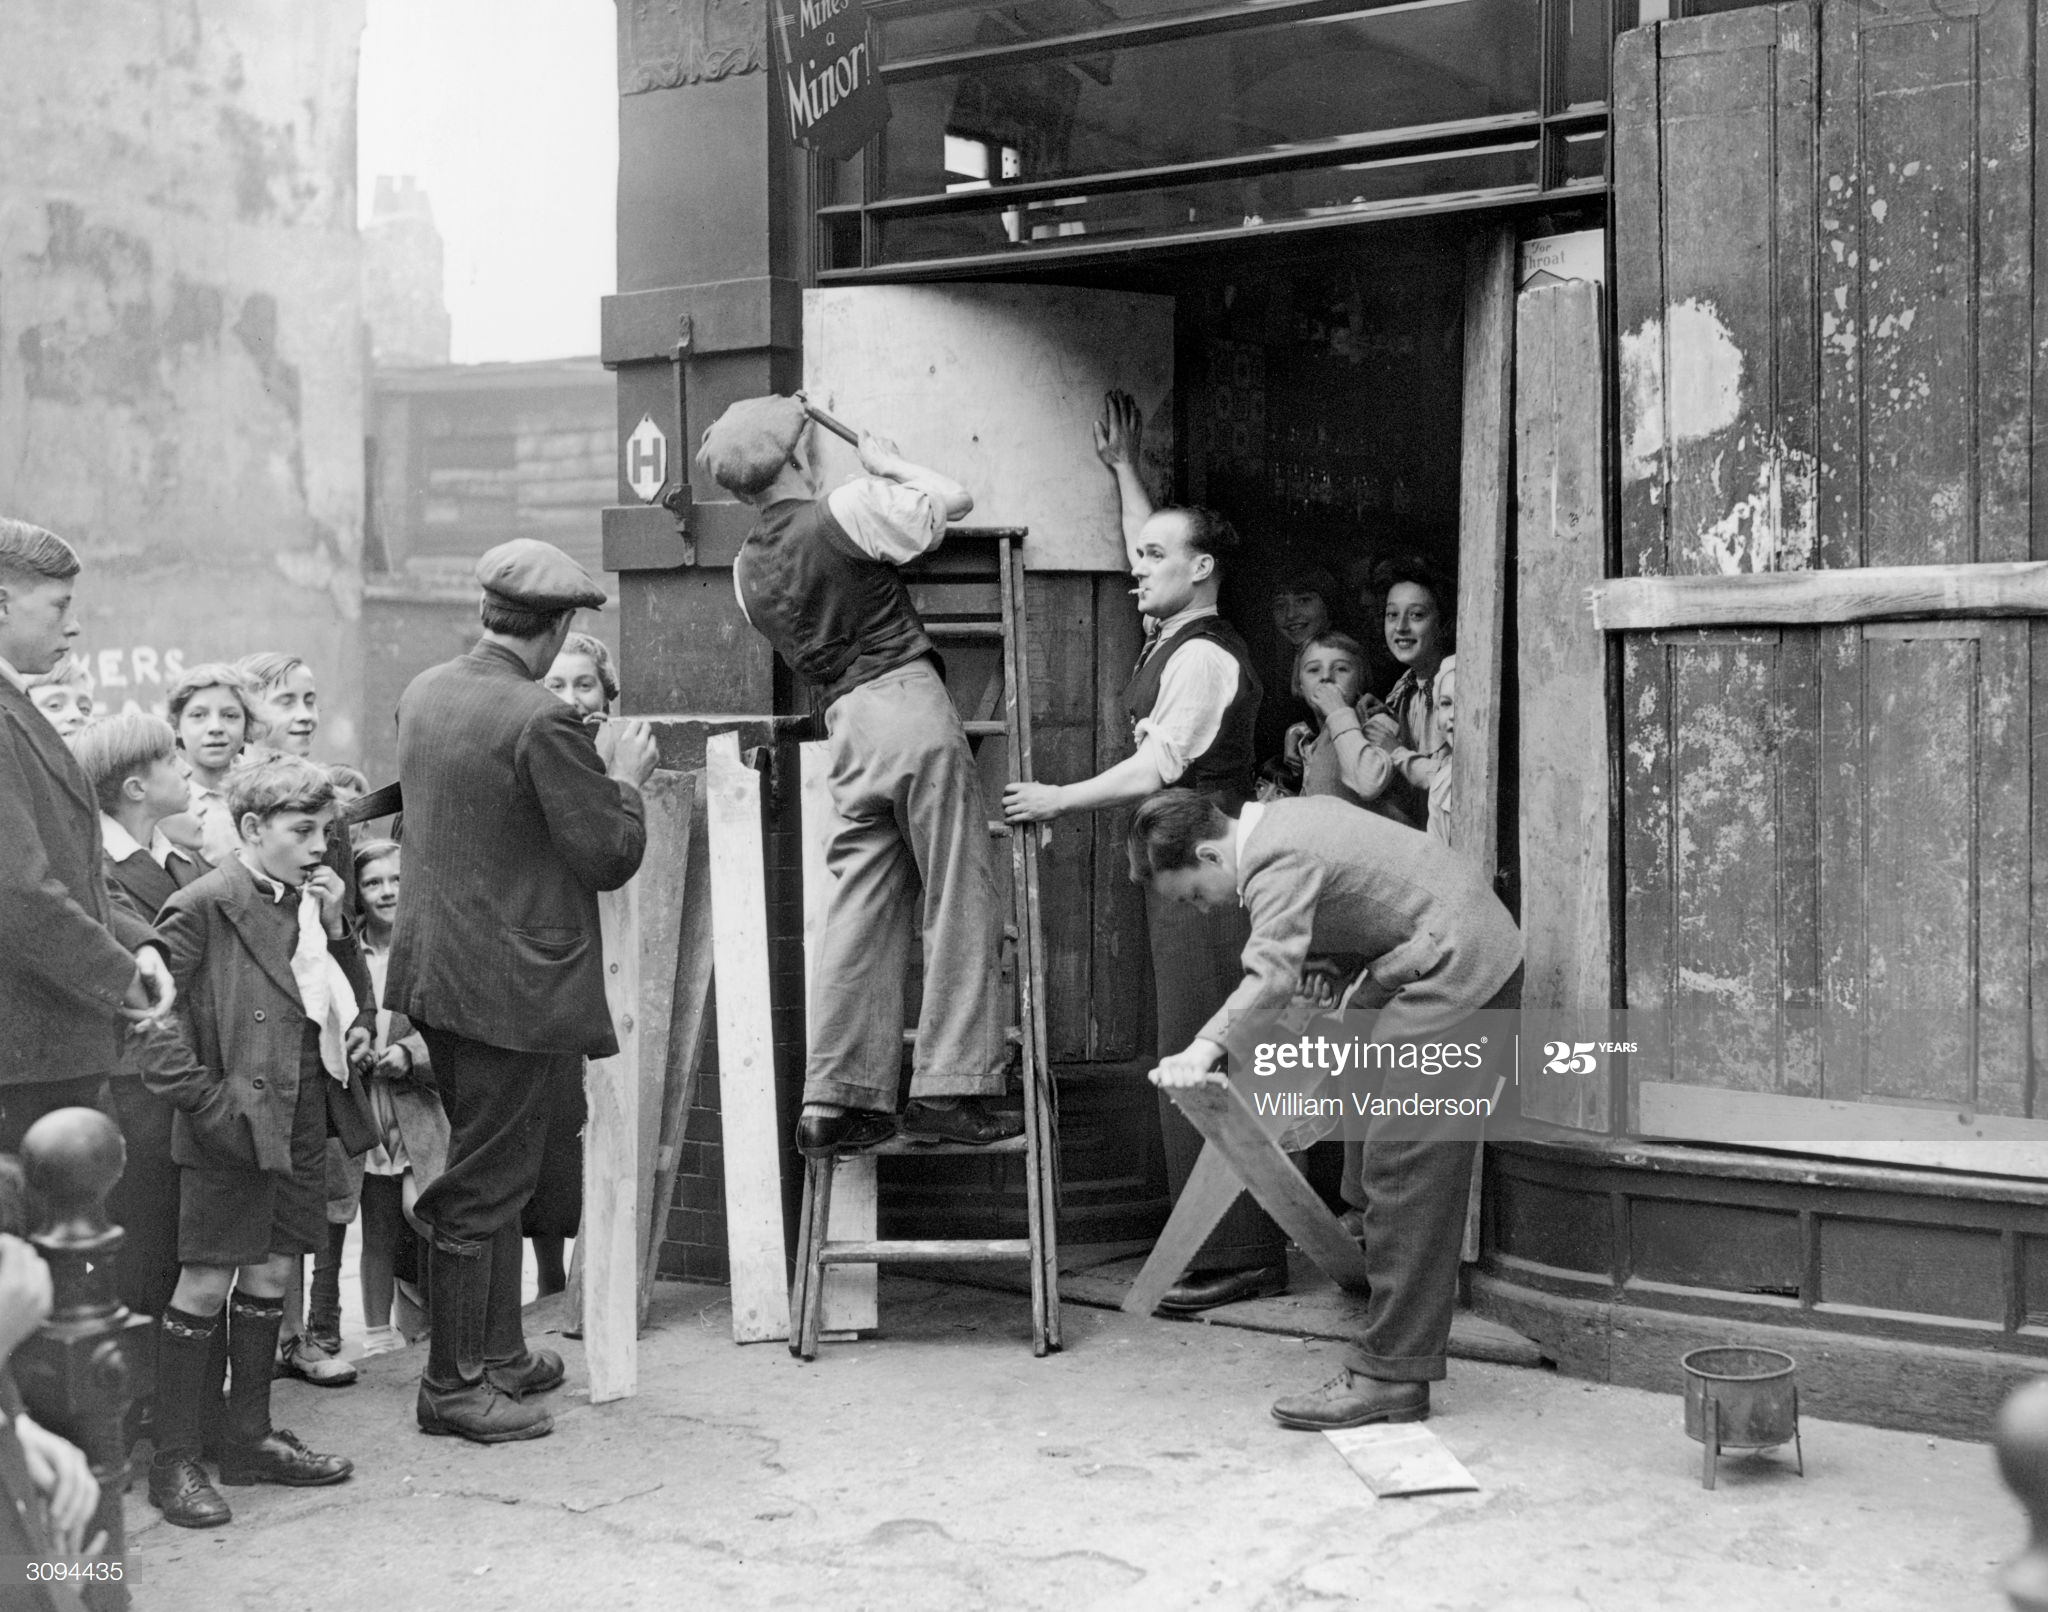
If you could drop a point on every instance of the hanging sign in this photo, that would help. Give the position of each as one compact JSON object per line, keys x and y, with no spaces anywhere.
{"x":825,"y":53}
{"x":647,"y":459}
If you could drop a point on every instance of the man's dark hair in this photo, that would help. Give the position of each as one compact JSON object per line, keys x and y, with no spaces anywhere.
{"x":30,"y":556}
{"x":1208,"y":532}
{"x":1166,"y":828}
{"x":1390,"y":574}
{"x":514,"y":621}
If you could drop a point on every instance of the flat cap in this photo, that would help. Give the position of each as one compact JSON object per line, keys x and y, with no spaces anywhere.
{"x":537,"y":576}
{"x":747,"y":444}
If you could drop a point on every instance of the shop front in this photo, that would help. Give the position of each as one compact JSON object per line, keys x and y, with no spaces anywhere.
{"x":1301,"y":233}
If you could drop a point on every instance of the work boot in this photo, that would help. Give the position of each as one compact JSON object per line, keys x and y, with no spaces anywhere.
{"x":179,"y":1488}
{"x":457,"y":1399}
{"x":512,"y":1367}
{"x":968,"y":1122}
{"x":1352,"y":1399}
{"x":281,"y":1457}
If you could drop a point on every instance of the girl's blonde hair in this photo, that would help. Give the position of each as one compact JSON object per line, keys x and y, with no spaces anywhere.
{"x":1342,"y":642}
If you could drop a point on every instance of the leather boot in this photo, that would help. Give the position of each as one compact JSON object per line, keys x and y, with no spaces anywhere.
{"x":178,"y":1485}
{"x":512,"y":1367}
{"x":456,"y":1398}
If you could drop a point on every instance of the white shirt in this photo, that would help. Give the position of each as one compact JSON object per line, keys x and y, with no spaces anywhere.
{"x":217,"y":837}
{"x":1195,"y":690}
{"x":886,"y":520}
{"x":1247,"y":820}
{"x":121,"y":844}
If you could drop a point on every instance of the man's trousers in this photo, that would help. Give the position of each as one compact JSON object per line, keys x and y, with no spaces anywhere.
{"x":498,"y":1103}
{"x":913,"y":837}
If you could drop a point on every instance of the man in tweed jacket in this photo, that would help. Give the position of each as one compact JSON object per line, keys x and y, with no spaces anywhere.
{"x":1319,"y":876}
{"x":514,"y":821}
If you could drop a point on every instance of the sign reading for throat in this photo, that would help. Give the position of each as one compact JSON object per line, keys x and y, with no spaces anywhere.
{"x":826,"y":56}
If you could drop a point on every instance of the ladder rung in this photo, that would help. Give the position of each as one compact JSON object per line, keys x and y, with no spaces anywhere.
{"x":963,"y":629}
{"x":1001,"y":831}
{"x":937,"y":1248}
{"x":902,"y":1147}
{"x":985,"y":730}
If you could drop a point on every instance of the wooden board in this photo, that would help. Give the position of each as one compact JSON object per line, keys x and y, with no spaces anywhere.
{"x":607,"y":1244}
{"x":748,"y":1124}
{"x":1878,"y":1133}
{"x":1812,"y":598}
{"x":850,"y":1304}
{"x":1485,"y":502}
{"x":1120,"y":1003}
{"x":670,"y":800}
{"x":999,"y":386}
{"x":1220,"y":1112}
{"x":1561,"y":546}
{"x":687,"y":1021}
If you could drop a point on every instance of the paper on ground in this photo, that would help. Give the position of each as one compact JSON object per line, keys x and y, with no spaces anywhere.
{"x":1397,"y":1459}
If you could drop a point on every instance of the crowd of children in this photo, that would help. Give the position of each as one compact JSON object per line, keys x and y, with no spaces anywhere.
{"x":281,"y":1104}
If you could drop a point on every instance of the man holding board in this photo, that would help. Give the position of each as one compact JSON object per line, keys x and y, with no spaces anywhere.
{"x":817,"y":577}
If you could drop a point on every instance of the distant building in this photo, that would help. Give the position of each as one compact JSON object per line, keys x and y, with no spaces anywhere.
{"x":464,"y":456}
{"x":181,"y":391}
{"x":405,"y":304}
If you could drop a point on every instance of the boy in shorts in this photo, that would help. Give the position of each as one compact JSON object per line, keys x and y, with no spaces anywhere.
{"x":264,"y":1009}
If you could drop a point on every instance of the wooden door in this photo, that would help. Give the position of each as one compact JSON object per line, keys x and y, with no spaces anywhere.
{"x":1824,"y":219}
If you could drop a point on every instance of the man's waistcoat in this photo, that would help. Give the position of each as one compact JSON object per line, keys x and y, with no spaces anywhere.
{"x":1224,"y":770}
{"x":840,"y":617}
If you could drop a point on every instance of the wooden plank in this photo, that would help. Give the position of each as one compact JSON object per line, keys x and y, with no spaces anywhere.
{"x":1120,"y":1003}
{"x":1220,"y":1112}
{"x":1060,"y":618}
{"x":611,"y":1146}
{"x":685,"y":1061}
{"x":669,"y":801}
{"x":748,"y":1124}
{"x":1561,"y":546}
{"x":1637,"y":140}
{"x":1878,"y":1133}
{"x":1211,"y":1188}
{"x":1816,"y":598}
{"x":1484,"y":503}
{"x":850,"y":1293}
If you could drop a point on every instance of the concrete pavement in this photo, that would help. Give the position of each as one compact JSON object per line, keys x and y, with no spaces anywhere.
{"x":942,"y":1467}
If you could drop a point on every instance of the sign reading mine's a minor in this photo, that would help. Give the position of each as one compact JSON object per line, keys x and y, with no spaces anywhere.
{"x":827,"y":59}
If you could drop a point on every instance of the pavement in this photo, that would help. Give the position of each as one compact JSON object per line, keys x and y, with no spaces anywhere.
{"x":938,"y":1465}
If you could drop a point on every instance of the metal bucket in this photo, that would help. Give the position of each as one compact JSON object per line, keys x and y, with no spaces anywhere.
{"x":1740,"y":1398}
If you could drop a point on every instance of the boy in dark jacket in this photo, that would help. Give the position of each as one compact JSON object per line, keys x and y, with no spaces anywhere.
{"x":264,"y":1009}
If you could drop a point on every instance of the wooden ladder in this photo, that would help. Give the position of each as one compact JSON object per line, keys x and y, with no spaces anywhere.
{"x":965,"y":609}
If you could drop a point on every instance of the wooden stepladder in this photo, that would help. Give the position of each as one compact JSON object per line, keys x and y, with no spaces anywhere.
{"x":970,"y":609}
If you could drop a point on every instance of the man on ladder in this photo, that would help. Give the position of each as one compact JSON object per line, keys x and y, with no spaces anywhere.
{"x":817,"y":578}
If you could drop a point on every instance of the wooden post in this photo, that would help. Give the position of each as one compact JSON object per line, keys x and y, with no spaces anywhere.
{"x":1484,"y":506}
{"x":1561,"y":551}
{"x":670,"y":800}
{"x":611,"y":1145}
{"x":746,"y":1048}
{"x":850,"y":1291}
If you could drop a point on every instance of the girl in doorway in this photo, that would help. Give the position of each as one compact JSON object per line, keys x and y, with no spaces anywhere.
{"x":1419,"y":622}
{"x":412,"y":1130}
{"x":1333,"y":752}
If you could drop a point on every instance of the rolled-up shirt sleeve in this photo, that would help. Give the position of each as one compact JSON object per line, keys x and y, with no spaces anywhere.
{"x":1195,"y":690}
{"x":887,"y":520}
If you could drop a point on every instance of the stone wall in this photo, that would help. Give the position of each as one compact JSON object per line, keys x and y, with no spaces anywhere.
{"x":181,"y":373}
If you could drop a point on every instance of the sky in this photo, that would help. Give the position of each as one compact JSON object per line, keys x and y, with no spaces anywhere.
{"x":506,"y":111}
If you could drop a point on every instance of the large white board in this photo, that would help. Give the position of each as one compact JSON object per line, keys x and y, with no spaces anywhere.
{"x":999,"y":386}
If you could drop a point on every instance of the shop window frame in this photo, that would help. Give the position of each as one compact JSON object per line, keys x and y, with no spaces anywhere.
{"x":1550,"y":128}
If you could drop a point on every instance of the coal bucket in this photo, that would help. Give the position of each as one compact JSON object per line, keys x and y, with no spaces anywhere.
{"x":1740,"y":1398}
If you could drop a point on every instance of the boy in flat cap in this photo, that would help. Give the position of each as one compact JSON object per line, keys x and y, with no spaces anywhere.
{"x":515,"y":819}
{"x":817,"y":578}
